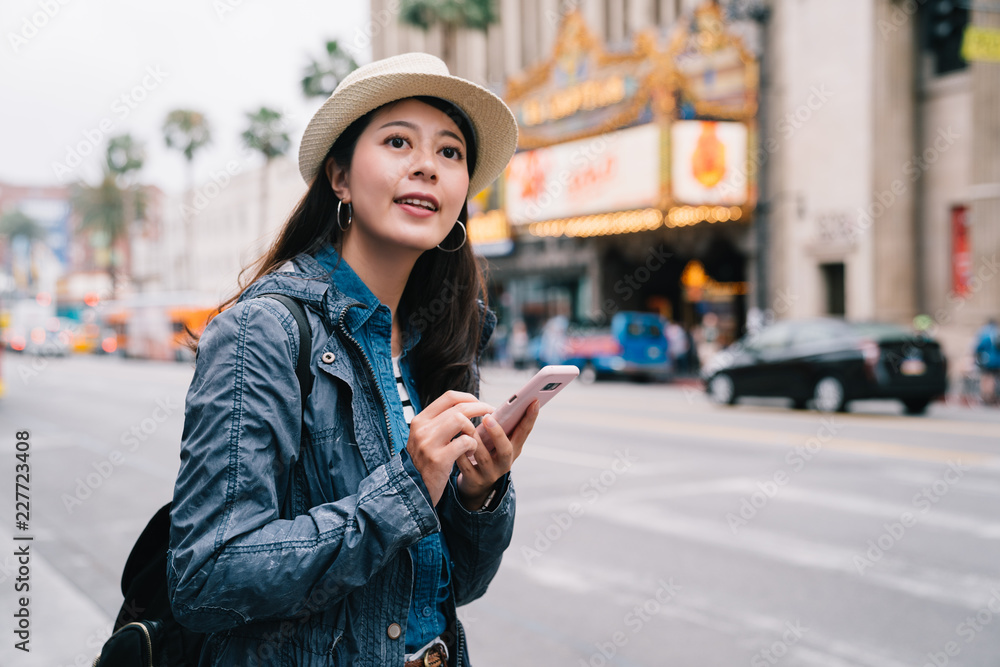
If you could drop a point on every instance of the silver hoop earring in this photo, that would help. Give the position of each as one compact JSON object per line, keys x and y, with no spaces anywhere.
{"x":465,"y":236}
{"x":350,"y":216}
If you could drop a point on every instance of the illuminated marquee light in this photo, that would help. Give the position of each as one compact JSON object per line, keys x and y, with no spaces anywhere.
{"x":604,"y":224}
{"x":627,"y":222}
{"x":585,"y":96}
{"x":685,"y":216}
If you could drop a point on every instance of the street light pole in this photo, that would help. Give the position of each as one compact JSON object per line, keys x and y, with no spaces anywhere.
{"x":759,"y":12}
{"x":762,"y":16}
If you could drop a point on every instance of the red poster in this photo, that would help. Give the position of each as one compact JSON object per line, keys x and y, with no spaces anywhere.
{"x":961,"y":254}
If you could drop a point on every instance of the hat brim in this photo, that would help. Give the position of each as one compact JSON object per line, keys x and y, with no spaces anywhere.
{"x":492,"y":120}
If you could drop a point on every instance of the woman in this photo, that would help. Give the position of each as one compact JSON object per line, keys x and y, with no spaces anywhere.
{"x":346,"y":531}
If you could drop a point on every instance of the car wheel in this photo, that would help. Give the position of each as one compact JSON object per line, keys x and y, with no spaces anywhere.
{"x":721,"y":389}
{"x":829,"y":396}
{"x":916,"y":406}
{"x":588,"y":374}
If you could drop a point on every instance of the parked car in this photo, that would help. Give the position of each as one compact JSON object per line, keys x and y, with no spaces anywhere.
{"x":634,"y":345}
{"x":830,"y":362}
{"x":49,"y":338}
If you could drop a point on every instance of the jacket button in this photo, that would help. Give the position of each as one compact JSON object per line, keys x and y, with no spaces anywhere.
{"x":394,"y":631}
{"x":328,"y":357}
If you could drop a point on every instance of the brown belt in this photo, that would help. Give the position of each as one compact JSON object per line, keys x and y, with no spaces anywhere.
{"x":434,"y":657}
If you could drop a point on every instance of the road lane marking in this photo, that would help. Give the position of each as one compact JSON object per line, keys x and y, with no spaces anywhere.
{"x":963,"y":590}
{"x":943,"y":426}
{"x":712,"y":611}
{"x":843,"y":502}
{"x":567,"y":457}
{"x":920,"y":478}
{"x":556,"y":503}
{"x":737,"y":434}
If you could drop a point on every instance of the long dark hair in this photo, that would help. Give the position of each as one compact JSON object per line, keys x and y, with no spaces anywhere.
{"x":441,"y":297}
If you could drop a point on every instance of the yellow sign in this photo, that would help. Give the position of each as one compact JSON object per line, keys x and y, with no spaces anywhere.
{"x":699,"y":286}
{"x":981,"y":44}
{"x":488,"y":227}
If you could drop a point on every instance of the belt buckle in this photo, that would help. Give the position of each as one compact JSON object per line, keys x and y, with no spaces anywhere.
{"x":433,"y":657}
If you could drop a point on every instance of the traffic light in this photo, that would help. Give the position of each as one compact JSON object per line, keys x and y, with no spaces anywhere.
{"x":944,"y":27}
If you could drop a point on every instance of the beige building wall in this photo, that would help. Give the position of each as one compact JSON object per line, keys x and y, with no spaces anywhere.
{"x":212,"y":233}
{"x":524,"y":35}
{"x":894,"y":193}
{"x":984,"y":186}
{"x":821,"y":125}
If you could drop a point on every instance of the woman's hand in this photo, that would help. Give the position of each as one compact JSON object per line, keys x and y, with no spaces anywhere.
{"x":475,"y":480}
{"x":432,"y":444}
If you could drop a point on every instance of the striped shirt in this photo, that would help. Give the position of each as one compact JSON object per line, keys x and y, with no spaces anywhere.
{"x":403,"y":396}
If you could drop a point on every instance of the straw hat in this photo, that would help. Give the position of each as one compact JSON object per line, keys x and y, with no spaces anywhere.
{"x":410,"y":75}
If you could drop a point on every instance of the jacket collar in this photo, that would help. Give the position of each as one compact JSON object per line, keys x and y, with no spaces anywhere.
{"x":346,"y":281}
{"x":331,"y":287}
{"x":309,"y":281}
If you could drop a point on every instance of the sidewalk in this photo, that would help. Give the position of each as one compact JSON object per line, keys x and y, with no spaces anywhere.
{"x":67,"y":628}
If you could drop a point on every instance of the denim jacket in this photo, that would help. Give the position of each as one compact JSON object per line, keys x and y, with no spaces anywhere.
{"x":291,"y":528}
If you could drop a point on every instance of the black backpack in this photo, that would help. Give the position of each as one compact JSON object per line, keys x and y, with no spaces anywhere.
{"x":146,"y":634}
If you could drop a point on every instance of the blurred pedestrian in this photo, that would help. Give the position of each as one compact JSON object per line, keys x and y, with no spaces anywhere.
{"x":677,"y":347}
{"x":348,"y":532}
{"x":519,"y":345}
{"x":987,"y":348}
{"x":553,"y":342}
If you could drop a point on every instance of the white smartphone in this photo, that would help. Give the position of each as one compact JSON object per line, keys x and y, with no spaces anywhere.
{"x":545,"y":384}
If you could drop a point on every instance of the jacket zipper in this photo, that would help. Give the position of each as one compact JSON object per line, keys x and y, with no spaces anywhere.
{"x":371,"y":375}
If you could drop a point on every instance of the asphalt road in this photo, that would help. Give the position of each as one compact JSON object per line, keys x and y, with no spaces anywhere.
{"x":653,"y":528}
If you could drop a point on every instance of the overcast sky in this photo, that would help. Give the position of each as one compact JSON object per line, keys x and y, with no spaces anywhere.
{"x":67,"y":67}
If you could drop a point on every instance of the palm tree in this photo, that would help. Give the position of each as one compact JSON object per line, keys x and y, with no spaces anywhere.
{"x":451,"y":15}
{"x":106,"y":210}
{"x":102,"y":213}
{"x":321,"y":78}
{"x":187,"y":131}
{"x":16,"y":224}
{"x":125,"y":157}
{"x":266,"y":135}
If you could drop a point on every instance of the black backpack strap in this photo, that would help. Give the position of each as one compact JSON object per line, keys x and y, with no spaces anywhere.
{"x":298,"y":311}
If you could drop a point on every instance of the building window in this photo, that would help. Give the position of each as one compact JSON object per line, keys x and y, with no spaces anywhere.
{"x":833,"y":283}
